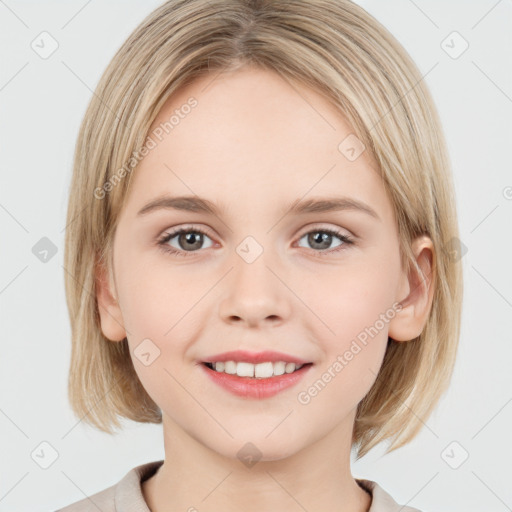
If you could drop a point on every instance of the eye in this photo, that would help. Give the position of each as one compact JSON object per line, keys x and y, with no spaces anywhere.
{"x":188,"y":240}
{"x":321,"y":239}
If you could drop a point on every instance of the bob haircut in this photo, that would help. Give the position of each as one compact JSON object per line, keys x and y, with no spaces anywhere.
{"x":334,"y":47}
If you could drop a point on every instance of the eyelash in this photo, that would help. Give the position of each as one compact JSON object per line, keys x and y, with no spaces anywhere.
{"x":162,"y":242}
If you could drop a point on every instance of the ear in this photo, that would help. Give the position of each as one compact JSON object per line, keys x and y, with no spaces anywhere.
{"x":112,"y":324}
{"x":415,"y":293}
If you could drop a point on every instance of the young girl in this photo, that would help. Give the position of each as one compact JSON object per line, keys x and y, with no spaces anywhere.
{"x":262,"y":204}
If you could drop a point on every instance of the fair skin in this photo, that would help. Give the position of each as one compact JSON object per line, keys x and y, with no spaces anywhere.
{"x":253,"y":145}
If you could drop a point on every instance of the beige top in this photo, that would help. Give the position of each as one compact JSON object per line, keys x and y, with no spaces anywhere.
{"x":126,"y":495}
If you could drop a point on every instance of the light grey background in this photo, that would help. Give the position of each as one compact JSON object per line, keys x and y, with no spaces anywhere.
{"x":42,"y":102}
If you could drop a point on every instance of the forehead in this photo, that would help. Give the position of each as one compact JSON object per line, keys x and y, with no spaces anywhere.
{"x":252,"y":135}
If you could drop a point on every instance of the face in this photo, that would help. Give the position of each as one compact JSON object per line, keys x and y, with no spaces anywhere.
{"x":256,"y":274}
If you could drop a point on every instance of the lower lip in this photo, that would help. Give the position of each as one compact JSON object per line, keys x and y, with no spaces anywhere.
{"x":248,"y":387}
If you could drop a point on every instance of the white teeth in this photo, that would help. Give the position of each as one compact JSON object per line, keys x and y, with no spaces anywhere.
{"x":263,"y":370}
{"x":259,"y":371}
{"x":245,"y":370}
{"x":279,"y":368}
{"x":230,"y":367}
{"x":290,"y":367}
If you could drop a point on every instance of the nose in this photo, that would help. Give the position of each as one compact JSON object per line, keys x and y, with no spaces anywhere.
{"x":255,"y":295}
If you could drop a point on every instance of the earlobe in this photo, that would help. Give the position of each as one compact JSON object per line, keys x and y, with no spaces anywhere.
{"x":112,"y":324}
{"x":410,"y":321}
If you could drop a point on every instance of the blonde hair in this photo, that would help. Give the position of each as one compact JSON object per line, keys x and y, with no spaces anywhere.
{"x":334,"y":47}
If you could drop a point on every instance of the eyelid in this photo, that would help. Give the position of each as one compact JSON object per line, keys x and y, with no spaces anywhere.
{"x":187,"y":227}
{"x":330,"y":227}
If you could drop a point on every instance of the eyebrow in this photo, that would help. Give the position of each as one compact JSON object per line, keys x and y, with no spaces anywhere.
{"x":202,"y":205}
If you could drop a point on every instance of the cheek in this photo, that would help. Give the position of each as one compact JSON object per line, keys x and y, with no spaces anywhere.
{"x":157,"y":296}
{"x":353,"y":346}
{"x":158,"y":310}
{"x":161,"y":304}
{"x":355,"y":305}
{"x":352,"y":297}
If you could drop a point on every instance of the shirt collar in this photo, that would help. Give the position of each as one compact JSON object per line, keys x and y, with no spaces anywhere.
{"x":129,"y":496}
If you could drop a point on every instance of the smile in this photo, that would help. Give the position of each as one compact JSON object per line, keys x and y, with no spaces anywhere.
{"x":249,"y":380}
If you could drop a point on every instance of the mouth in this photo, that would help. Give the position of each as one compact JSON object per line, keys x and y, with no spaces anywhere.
{"x":251,"y":375}
{"x":255,"y":381}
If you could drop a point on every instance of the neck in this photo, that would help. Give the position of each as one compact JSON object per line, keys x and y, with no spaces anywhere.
{"x":316,"y":478}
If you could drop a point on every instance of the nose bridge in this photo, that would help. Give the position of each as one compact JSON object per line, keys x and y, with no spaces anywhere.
{"x":254,"y":293}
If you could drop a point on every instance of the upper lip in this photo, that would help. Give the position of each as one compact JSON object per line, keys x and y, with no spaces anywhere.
{"x":255,"y":357}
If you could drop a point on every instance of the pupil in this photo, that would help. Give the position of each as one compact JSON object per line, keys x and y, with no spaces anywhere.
{"x":189,"y":239}
{"x":320,"y":237}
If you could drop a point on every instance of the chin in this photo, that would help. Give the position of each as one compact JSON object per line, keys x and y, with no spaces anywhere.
{"x":250,"y":449}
